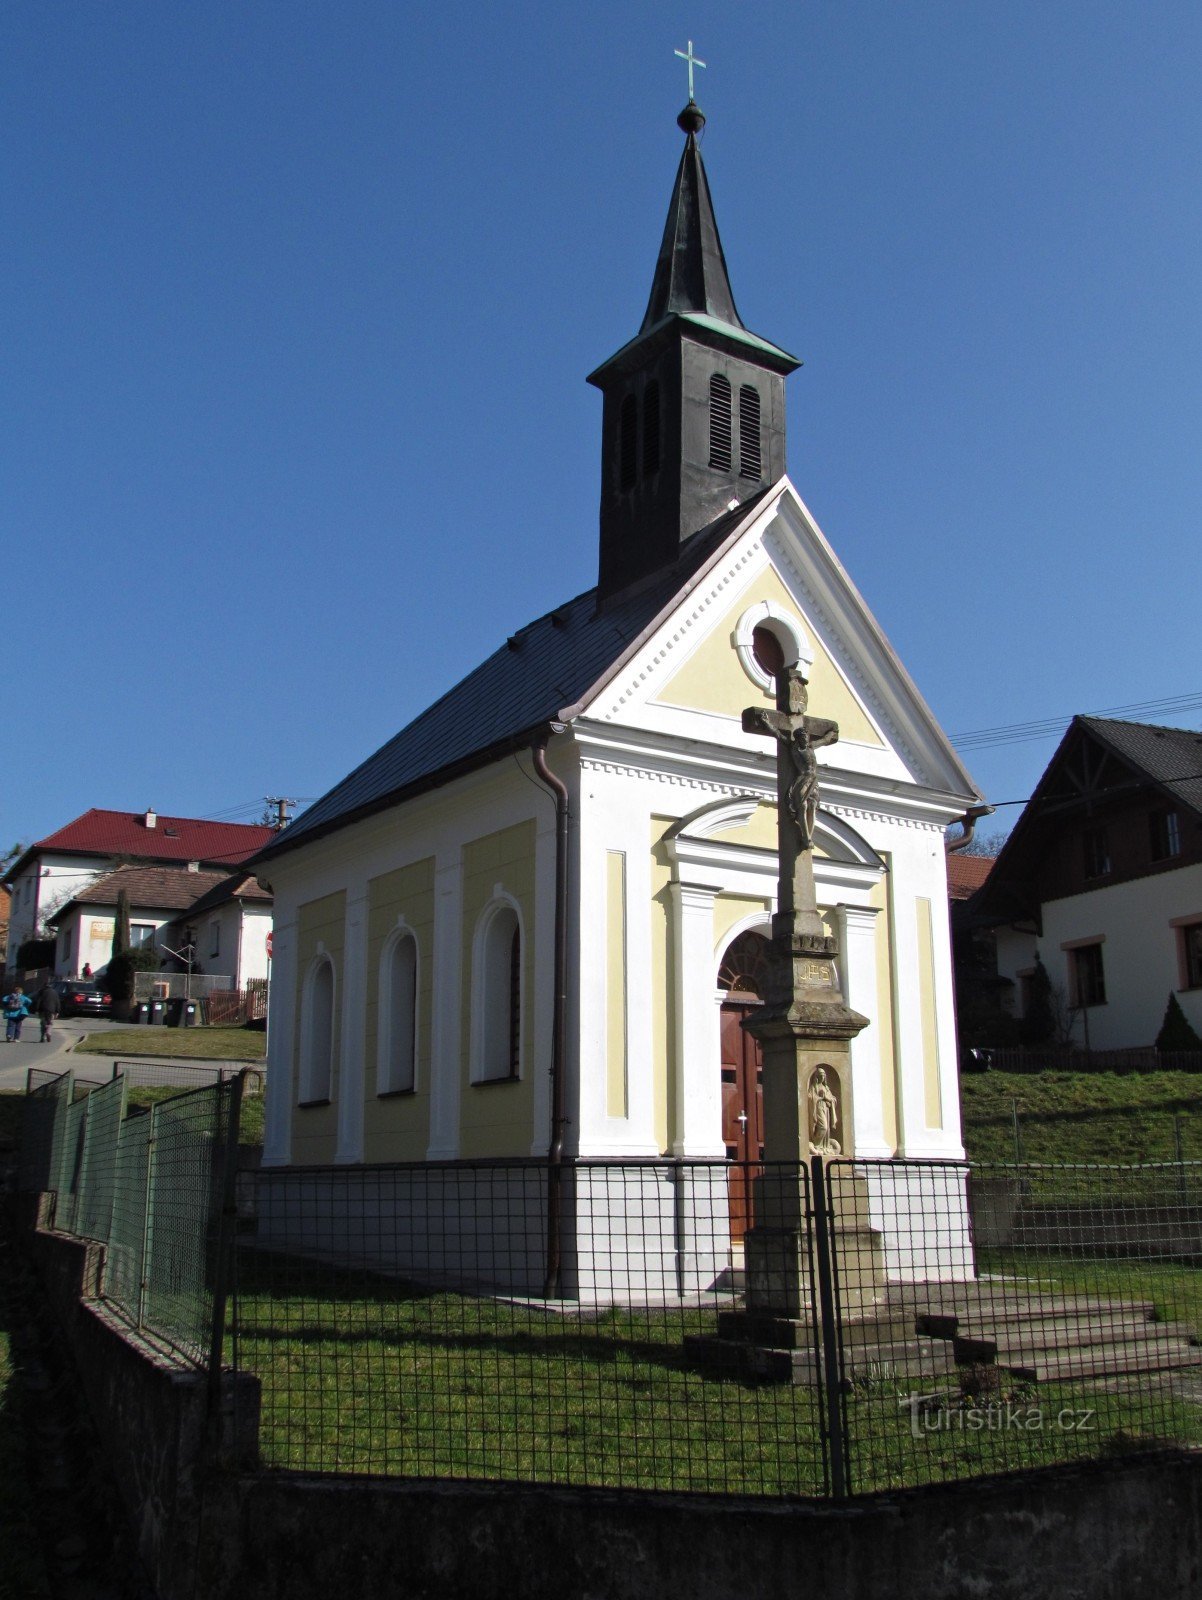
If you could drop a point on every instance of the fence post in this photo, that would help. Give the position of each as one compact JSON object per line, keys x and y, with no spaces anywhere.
{"x":1018,"y":1138}
{"x":830,"y":1350}
{"x":148,"y":1217}
{"x":223,"y":1257}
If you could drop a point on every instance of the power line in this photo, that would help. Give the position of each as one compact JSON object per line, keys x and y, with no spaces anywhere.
{"x":1046,"y":727}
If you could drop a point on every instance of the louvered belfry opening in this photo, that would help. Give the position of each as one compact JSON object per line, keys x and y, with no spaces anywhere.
{"x":750,"y":458}
{"x":651,"y":429}
{"x":720,"y":422}
{"x":628,"y":469}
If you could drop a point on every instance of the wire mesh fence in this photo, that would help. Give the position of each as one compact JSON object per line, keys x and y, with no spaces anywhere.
{"x":978,"y":1320}
{"x":153,"y":1185}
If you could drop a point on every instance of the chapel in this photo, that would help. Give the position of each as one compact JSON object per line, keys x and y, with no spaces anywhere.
{"x":532,"y":924}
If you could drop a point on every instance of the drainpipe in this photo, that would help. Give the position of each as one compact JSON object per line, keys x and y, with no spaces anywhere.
{"x":969,"y":823}
{"x":551,"y":1285}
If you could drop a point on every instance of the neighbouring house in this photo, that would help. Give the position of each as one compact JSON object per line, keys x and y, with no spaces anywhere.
{"x":83,"y":928}
{"x":55,"y":869}
{"x":536,"y":918}
{"x":230,"y":927}
{"x":1102,"y":878}
{"x":984,"y":999}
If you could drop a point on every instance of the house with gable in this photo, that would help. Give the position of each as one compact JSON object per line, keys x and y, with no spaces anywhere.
{"x":1101,"y":877}
{"x":83,"y":928}
{"x":532,"y":923}
{"x":49,"y":873}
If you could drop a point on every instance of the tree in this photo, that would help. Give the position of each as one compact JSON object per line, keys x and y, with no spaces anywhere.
{"x":1038,"y":1024}
{"x":1175,"y":1031}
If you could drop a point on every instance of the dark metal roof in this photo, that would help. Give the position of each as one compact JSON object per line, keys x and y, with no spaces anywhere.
{"x":540,"y":675}
{"x":1171,"y":757}
{"x":690,"y":273}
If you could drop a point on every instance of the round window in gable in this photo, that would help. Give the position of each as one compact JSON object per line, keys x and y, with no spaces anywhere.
{"x":768,"y":638}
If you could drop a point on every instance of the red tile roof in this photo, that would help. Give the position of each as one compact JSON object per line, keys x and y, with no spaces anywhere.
{"x":966,"y":874}
{"x":125,"y":833}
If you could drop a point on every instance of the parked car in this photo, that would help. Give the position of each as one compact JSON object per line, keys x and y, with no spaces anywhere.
{"x":78,"y":997}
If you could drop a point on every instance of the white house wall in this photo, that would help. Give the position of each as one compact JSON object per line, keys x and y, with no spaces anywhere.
{"x":46,"y":884}
{"x":1139,"y":953}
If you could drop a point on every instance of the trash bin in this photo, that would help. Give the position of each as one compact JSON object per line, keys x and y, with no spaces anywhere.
{"x":158,"y":1010}
{"x":143,"y":1012}
{"x":175,"y":1011}
{"x":191,"y":1014}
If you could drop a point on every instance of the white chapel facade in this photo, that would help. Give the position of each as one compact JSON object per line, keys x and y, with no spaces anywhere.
{"x":529,"y":923}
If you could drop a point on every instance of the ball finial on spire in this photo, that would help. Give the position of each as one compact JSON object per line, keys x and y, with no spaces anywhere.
{"x":691,"y":119}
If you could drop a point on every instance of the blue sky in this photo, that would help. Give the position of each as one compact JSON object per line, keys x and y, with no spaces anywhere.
{"x":298,"y":300}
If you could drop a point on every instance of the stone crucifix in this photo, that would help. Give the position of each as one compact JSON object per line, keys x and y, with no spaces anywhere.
{"x":798,"y":736}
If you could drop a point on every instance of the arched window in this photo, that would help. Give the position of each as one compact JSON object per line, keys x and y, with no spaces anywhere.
{"x":317,"y":1033}
{"x":628,"y":441}
{"x":720,"y":456}
{"x":497,"y":996}
{"x":651,"y":429}
{"x":750,"y":465}
{"x":396,"y":1061}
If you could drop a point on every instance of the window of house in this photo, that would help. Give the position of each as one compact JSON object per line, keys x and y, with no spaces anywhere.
{"x":1097,"y":853}
{"x":1088,"y":976}
{"x":1190,"y":937}
{"x":1164,"y":835}
{"x":317,"y":1033}
{"x":397,"y":1060}
{"x":141,"y":933}
{"x":720,"y":423}
{"x":497,"y":991}
{"x":214,"y":938}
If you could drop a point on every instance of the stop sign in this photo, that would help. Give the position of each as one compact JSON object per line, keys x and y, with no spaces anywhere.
{"x":269,"y":945}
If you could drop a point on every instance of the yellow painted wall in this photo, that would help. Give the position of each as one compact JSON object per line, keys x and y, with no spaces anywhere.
{"x":497,"y":1119}
{"x":663,"y":1012}
{"x":932,"y":1096}
{"x":319,"y":923}
{"x":712,"y":678}
{"x":616,"y":1095}
{"x":397,"y":1127}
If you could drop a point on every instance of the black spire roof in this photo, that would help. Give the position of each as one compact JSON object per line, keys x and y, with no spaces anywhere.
{"x":690,"y":274}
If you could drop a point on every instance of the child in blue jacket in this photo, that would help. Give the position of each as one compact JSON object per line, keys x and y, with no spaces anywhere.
{"x":16,"y":1009}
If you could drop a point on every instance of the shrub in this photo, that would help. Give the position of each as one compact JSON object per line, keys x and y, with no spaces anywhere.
{"x":1175,"y":1031}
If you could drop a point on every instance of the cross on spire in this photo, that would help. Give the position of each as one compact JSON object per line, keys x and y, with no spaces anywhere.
{"x":693,"y":61}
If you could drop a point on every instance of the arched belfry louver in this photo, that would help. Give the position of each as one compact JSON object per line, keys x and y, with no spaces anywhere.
{"x":750,"y":454}
{"x":720,"y":430}
{"x":628,"y":467}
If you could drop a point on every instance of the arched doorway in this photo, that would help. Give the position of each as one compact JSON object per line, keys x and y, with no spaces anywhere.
{"x":741,"y":982}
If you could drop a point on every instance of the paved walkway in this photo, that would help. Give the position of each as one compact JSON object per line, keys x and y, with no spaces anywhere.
{"x":58,"y":1055}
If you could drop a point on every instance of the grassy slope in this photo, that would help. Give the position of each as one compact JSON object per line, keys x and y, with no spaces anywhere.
{"x":198,"y":1044}
{"x":1082,"y":1116}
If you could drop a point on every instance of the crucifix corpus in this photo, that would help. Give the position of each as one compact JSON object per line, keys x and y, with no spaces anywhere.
{"x":804,"y":1027}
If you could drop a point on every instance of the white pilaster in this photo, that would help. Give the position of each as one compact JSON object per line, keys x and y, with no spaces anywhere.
{"x":280,"y":1089}
{"x":446,"y":1029}
{"x":857,"y":971}
{"x":698,"y":1124}
{"x":349,"y":1146}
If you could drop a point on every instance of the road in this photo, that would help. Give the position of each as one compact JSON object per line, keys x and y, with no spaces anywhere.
{"x":17,"y":1058}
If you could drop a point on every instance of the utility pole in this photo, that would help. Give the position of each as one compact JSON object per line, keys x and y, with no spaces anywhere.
{"x":281,"y":805}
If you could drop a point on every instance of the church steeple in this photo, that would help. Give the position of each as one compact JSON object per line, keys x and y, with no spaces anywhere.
{"x":694,"y":404}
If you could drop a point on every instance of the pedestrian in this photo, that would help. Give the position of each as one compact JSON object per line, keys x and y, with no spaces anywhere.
{"x":49,"y":1006}
{"x":16,"y":1009}
{"x":87,"y":969}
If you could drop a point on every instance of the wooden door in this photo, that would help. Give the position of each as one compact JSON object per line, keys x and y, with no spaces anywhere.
{"x":742,"y":1111}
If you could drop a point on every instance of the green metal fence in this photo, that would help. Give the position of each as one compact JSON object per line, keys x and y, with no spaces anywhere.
{"x":155,"y":1186}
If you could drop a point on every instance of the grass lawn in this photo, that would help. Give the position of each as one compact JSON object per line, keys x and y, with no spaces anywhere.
{"x":198,"y":1044}
{"x":364,"y":1375}
{"x":1082,"y":1116}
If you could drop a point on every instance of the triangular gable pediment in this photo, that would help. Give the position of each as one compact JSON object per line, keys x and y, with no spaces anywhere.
{"x":690,"y":677}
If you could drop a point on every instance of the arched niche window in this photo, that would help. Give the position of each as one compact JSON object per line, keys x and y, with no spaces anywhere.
{"x":750,"y":463}
{"x":720,"y":426}
{"x":317,"y":1034}
{"x":396,"y":1060}
{"x":497,"y":995}
{"x":651,"y":429}
{"x":628,"y":442}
